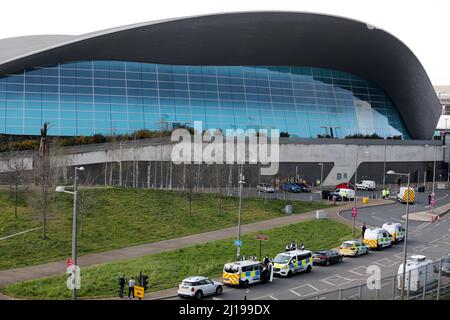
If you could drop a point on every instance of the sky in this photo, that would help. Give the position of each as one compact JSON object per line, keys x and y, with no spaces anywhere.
{"x":422,"y":25}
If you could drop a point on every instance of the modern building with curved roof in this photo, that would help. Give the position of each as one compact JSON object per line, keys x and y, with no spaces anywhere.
{"x":302,"y":73}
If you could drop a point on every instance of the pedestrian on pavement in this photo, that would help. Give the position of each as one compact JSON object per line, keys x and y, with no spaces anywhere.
{"x":383,"y":193}
{"x":363,"y":230}
{"x":429,"y":198}
{"x":121,"y":285}
{"x":131,"y":284}
{"x":388,"y":193}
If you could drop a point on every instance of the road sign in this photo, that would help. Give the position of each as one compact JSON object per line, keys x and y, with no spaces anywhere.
{"x":69,"y":262}
{"x":238,"y":243}
{"x":354,"y":212}
{"x":261,"y":237}
{"x":139,"y":291}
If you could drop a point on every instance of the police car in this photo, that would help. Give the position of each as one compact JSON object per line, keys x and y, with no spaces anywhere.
{"x":198,"y":287}
{"x":287,"y":263}
{"x":353,"y":248}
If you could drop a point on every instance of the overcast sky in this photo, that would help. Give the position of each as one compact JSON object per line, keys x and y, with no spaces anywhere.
{"x":422,"y":25}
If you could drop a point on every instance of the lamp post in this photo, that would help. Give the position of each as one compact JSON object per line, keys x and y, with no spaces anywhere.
{"x":321,"y":176}
{"x":241,"y":183}
{"x":384,"y":163}
{"x":74,"y":228}
{"x":405,"y":246}
{"x":354,"y":200}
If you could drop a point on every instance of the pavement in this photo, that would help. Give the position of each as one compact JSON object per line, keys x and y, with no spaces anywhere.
{"x":11,"y":276}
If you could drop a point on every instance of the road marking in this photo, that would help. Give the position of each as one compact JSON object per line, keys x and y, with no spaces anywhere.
{"x":298,"y":294}
{"x":387,"y":263}
{"x":261,"y":298}
{"x":358,"y":273}
{"x":303,"y":294}
{"x":399,"y":255}
{"x":422,"y":247}
{"x":399,"y":220}
{"x":336,"y":278}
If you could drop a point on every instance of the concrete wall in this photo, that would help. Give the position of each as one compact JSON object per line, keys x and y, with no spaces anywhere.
{"x":340,"y":158}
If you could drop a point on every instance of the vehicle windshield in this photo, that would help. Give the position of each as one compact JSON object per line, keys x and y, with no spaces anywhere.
{"x":282,"y":258}
{"x":347,"y":245}
{"x":229,"y":268}
{"x":446,"y":260}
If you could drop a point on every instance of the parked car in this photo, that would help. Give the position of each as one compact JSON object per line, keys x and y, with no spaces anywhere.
{"x":345,"y":185}
{"x":303,"y":187}
{"x":366,"y":185}
{"x":326,"y":257}
{"x":327,"y":194}
{"x":446,"y":265}
{"x":198,"y":287}
{"x":353,"y":248}
{"x":262,"y":187}
{"x":290,"y":187}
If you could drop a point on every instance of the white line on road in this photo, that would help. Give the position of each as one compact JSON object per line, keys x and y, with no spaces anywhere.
{"x":296,"y":293}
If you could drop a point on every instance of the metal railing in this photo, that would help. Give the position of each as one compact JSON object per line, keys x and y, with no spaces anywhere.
{"x":424,"y":283}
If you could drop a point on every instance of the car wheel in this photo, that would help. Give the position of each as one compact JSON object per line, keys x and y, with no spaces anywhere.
{"x":199,"y":295}
{"x":327,"y":263}
{"x":219,"y":290}
{"x":308,"y":270}
{"x":340,"y":259}
{"x":246,"y":284}
{"x":289,"y":274}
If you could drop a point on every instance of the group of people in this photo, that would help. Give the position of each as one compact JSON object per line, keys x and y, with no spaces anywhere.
{"x":385,"y":193}
{"x":131,"y":284}
{"x":293,"y":246}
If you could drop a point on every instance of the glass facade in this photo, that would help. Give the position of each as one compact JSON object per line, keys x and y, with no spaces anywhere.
{"x":113,"y":97}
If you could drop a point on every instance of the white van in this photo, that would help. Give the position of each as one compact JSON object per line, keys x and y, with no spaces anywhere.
{"x":346,"y":194}
{"x":403,"y":193}
{"x":290,"y":262}
{"x":419,"y":271}
{"x":366,"y":185}
{"x":396,"y":230}
{"x":377,"y":238}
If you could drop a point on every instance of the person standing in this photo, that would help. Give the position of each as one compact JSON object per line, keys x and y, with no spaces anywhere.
{"x":383,"y":193}
{"x":429,"y":198}
{"x":121,"y":285}
{"x":131,"y":284}
{"x":363,"y":230}
{"x":388,"y":193}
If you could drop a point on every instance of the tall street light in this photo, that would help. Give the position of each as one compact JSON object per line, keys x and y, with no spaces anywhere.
{"x":321,"y":176}
{"x":356,"y":180}
{"x":238,"y":245}
{"x":384,"y":163}
{"x":405,"y":246}
{"x":74,"y":228}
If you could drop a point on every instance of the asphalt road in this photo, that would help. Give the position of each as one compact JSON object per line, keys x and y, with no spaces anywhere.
{"x":430,"y":239}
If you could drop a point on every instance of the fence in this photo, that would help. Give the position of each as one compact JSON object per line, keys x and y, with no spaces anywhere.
{"x":426,"y":282}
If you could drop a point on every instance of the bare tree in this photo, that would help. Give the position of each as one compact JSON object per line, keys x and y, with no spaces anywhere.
{"x":85,"y":199}
{"x":17,"y":166}
{"x":44,"y":178}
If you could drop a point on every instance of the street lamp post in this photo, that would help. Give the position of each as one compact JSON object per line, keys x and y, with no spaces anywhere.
{"x":405,"y":246}
{"x":321,"y":176}
{"x":241,"y":182}
{"x":354,"y":200}
{"x":74,"y":228}
{"x":384,"y":163}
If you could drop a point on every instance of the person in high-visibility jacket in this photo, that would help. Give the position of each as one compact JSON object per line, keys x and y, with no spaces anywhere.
{"x":388,"y":192}
{"x":383,"y":193}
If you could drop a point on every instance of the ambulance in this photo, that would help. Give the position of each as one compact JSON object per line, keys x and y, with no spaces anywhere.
{"x":404,"y":193}
{"x":396,"y":231}
{"x":420,"y":272}
{"x":246,"y":272}
{"x":377,"y":238}
{"x":287,"y":263}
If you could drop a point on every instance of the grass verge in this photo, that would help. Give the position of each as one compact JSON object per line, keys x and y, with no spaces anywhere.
{"x":120,"y":217}
{"x":166,"y":269}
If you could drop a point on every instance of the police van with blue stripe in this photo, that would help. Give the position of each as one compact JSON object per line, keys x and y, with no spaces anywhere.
{"x":288,"y":263}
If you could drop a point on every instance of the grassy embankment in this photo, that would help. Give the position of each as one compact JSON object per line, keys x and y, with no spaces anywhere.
{"x":120,"y":217}
{"x":166,"y":269}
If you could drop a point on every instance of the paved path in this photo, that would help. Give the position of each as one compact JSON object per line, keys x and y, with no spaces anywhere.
{"x":55,"y":268}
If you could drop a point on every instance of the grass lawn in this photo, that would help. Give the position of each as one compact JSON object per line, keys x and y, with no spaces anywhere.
{"x":165,"y":270}
{"x":121,"y":217}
